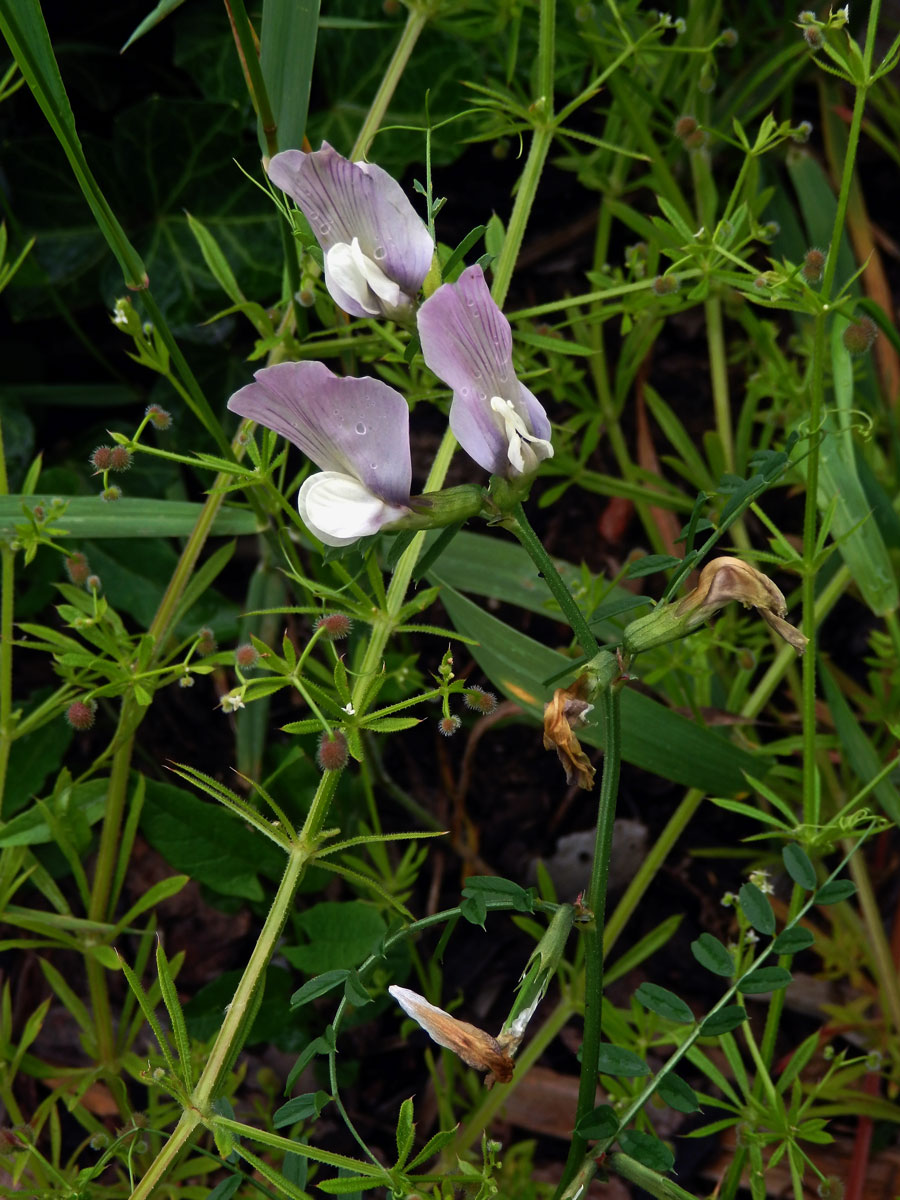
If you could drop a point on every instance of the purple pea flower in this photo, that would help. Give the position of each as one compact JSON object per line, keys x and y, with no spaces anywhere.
{"x":356,"y":430}
{"x":467,"y":342}
{"x":377,"y":249}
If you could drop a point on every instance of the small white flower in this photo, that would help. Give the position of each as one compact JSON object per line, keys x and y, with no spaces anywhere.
{"x":751,"y":936}
{"x":232,"y":701}
{"x":349,"y":709}
{"x":119,"y":316}
{"x":761,"y":880}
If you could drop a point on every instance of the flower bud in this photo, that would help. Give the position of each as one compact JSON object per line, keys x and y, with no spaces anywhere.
{"x":728,"y":38}
{"x":77,"y":568}
{"x":186,"y":681}
{"x":333,"y":752}
{"x":802,"y":132}
{"x":80,"y":714}
{"x":859,"y":337}
{"x":334,"y":626}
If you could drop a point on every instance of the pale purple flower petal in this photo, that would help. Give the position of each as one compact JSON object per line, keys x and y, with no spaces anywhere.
{"x":358,"y":206}
{"x":467,"y":342}
{"x":356,"y":430}
{"x":357,"y":427}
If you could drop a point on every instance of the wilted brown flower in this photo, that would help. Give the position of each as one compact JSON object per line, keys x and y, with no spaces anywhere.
{"x":725,"y":579}
{"x":567,"y":709}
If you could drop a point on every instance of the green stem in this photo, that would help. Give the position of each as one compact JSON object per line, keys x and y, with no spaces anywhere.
{"x":715,"y":340}
{"x":593,"y":934}
{"x":645,"y":1178}
{"x":519,"y":525}
{"x":7,"y":583}
{"x":234,"y":1028}
{"x":415,"y":23}
{"x":817,"y":401}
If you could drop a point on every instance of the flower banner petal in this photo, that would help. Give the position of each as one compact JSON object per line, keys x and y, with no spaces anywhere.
{"x":357,"y":427}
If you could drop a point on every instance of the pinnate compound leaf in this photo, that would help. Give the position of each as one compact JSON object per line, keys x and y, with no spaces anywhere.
{"x":710,"y":953}
{"x":724,"y":1020}
{"x":757,"y":909}
{"x":835,"y":891}
{"x":664,"y":1003}
{"x":798,"y":866}
{"x":601,"y":1123}
{"x":678,"y":1094}
{"x":764,"y":979}
{"x":648,"y":1150}
{"x":616,"y":1060}
{"x":791,"y":941}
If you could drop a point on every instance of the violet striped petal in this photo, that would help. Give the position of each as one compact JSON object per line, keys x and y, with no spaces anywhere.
{"x":347,"y":203}
{"x":355,"y":427}
{"x":467,"y":342}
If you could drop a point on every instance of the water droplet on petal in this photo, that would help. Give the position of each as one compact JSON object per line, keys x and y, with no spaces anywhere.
{"x":378,"y":252}
{"x":360,"y":427}
{"x":464,"y":391}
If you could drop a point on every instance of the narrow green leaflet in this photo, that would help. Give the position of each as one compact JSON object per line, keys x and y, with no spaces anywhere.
{"x":678,"y":1094}
{"x":602,"y":1122}
{"x":301,"y":1108}
{"x":616,"y":1060}
{"x":313,"y":988}
{"x":757,"y":909}
{"x":798,"y":866}
{"x":791,"y":941}
{"x":664,"y":1003}
{"x":724,"y":1020}
{"x":764,"y":979}
{"x":835,"y":891}
{"x":648,"y":1150}
{"x":710,"y":953}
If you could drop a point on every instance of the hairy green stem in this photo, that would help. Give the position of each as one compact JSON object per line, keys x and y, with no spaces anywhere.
{"x":593,"y":934}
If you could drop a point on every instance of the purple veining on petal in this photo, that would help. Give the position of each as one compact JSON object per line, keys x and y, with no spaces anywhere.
{"x":467,"y":342}
{"x":357,"y":427}
{"x":342,"y":200}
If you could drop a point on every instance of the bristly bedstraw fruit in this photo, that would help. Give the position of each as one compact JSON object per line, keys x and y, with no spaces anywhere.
{"x":334,"y":626}
{"x":119,"y":458}
{"x":246,"y":657}
{"x":77,"y":568}
{"x":80,"y":714}
{"x":813,"y":266}
{"x":332,"y":753}
{"x":206,"y":641}
{"x":449,"y":725}
{"x":159,"y":417}
{"x":101,"y":458}
{"x":480,"y":701}
{"x":859,"y":336}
